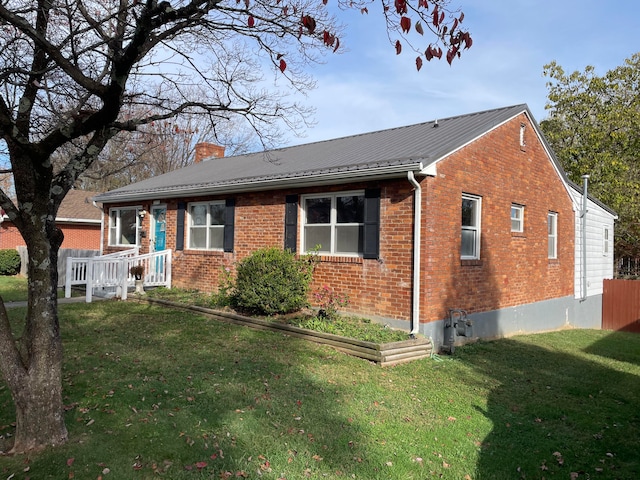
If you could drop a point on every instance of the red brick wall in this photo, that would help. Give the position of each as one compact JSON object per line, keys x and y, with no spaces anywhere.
{"x":513,"y":268}
{"x":9,"y":236}
{"x":84,"y":237}
{"x":378,"y":287}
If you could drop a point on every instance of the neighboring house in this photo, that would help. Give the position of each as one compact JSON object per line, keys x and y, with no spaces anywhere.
{"x":471,"y":212}
{"x":78,"y":218}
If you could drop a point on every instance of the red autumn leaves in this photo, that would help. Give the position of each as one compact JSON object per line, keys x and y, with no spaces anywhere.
{"x":457,"y":39}
{"x":453,"y":38}
{"x":307,"y":25}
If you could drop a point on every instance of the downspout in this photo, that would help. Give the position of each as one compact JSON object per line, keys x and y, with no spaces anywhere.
{"x":101,"y":226}
{"x":583,"y":226}
{"x":417,"y":215}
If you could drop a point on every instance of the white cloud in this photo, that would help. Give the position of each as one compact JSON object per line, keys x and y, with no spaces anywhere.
{"x":370,"y":88}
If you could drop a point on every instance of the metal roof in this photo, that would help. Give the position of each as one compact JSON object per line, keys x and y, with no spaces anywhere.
{"x":381,"y":154}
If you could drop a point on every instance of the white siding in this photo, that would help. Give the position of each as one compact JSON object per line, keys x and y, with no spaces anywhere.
{"x":599,"y":263}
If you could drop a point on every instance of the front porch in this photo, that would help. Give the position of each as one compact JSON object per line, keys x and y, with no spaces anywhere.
{"x":111,"y":274}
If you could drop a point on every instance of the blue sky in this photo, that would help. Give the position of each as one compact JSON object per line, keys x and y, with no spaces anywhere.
{"x":369,"y":88}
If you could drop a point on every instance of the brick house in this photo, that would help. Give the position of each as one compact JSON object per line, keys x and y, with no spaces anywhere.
{"x":471,"y":212}
{"x":79,"y":220}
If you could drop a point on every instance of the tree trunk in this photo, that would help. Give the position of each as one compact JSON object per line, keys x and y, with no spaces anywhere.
{"x":39,"y":411}
{"x":32,"y":364}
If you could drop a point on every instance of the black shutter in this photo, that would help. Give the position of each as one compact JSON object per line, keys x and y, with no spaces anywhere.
{"x":371,"y":241}
{"x":229,"y":224}
{"x":291,"y":223}
{"x":180,"y":226}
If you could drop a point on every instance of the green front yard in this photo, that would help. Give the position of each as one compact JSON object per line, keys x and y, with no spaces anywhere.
{"x":156,"y":393}
{"x":13,"y":288}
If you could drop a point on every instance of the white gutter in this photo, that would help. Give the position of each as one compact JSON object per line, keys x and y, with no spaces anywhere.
{"x":583,"y":227}
{"x":87,"y":221}
{"x":417,"y":215}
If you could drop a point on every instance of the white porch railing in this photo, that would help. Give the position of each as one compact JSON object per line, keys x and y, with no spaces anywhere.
{"x":132,"y":252}
{"x":113,"y":271}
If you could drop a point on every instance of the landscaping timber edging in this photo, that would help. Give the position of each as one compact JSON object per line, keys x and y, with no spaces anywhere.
{"x":385,"y":354}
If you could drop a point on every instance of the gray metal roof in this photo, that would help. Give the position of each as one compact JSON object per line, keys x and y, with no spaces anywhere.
{"x":380,"y":154}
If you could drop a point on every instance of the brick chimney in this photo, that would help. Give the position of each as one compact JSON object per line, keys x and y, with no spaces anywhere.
{"x":206,"y":150}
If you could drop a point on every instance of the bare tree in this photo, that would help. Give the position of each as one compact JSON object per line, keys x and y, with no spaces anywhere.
{"x":76,"y":73}
{"x":161,"y":147}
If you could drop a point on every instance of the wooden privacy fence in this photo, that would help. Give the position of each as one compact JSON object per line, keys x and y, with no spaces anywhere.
{"x":621,"y":305}
{"x":63,"y":254}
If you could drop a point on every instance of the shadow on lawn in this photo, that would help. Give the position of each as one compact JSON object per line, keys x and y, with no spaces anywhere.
{"x":557,"y":414}
{"x":617,"y":346}
{"x":145,"y":401}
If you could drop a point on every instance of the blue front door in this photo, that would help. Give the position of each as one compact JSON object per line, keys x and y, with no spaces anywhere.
{"x":159,"y":237}
{"x":159,"y":228}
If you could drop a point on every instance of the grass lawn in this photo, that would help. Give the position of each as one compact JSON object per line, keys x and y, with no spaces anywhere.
{"x":13,"y":288}
{"x":156,"y":393}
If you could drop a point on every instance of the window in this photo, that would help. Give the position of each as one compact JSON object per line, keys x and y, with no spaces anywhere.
{"x":334,"y":223}
{"x":606,"y":241}
{"x":206,"y":225}
{"x":517,"y":218}
{"x":552,"y":230}
{"x":124,"y":226}
{"x":470,"y":244}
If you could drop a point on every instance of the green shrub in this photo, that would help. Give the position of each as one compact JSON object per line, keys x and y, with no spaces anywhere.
{"x":9,"y":262}
{"x":271,"y":281}
{"x":224,"y":296}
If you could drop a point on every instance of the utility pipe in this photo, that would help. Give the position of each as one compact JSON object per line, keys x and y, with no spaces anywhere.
{"x":417,"y":215}
{"x":101,"y":226}
{"x":583,"y":225}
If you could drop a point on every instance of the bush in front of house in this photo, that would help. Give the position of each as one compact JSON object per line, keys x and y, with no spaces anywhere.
{"x":271,"y":281}
{"x":9,"y":262}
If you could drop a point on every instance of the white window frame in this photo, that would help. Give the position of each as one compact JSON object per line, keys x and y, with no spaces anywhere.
{"x":207,"y":226}
{"x":477,"y":228}
{"x":606,"y":241}
{"x":519,"y":218}
{"x":332,"y":223}
{"x":552,"y":234}
{"x":116,"y":230}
